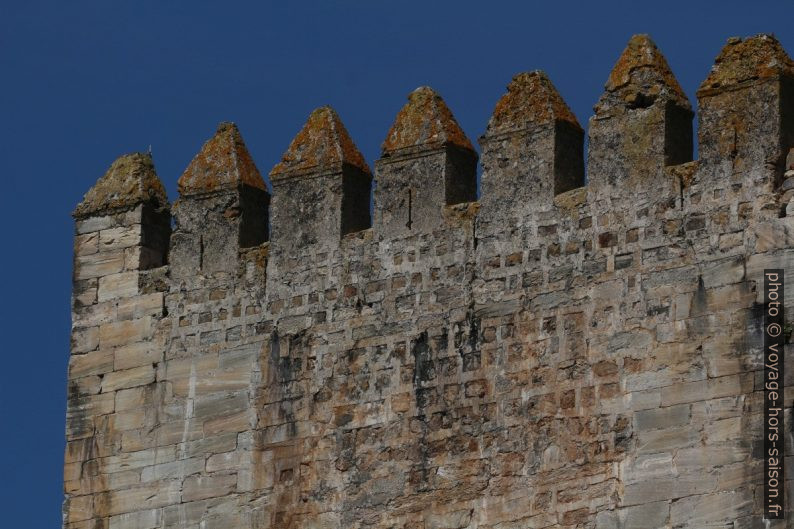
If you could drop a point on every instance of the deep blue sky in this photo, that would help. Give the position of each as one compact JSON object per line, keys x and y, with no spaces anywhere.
{"x":83,"y":82}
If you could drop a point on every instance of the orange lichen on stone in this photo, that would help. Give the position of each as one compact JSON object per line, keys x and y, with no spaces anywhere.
{"x":427,"y":121}
{"x":322,"y":144}
{"x":531,"y":99}
{"x":642,"y":69}
{"x":222,"y":163}
{"x":683,"y":173}
{"x":756,"y":58}
{"x":130,"y":180}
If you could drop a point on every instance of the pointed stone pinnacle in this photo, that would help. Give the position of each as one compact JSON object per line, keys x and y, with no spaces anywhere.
{"x":222,"y":163}
{"x":755,"y":58}
{"x":642,"y":74}
{"x":531,"y":99}
{"x":323,"y":144}
{"x":427,"y":121}
{"x":130,"y":180}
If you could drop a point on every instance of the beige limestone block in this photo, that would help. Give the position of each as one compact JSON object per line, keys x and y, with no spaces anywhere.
{"x":666,"y":440}
{"x":128,"y":378}
{"x":647,"y":466}
{"x":140,"y":306}
{"x":173,"y":469}
{"x":120,"y":237}
{"x":125,"y":332}
{"x":203,"y":487}
{"x":212,"y":445}
{"x":86,"y":244}
{"x":128,"y":420}
{"x":645,"y":516}
{"x":98,"y":264}
{"x":218,"y":405}
{"x":256,"y":471}
{"x":148,"y":496}
{"x":129,"y":399}
{"x":707,"y":389}
{"x":85,"y":339}
{"x":96,"y":314}
{"x":120,"y":480}
{"x":136,"y":354}
{"x":121,"y":285}
{"x":225,"y":461}
{"x":148,"y":519}
{"x":92,"y":404}
{"x":98,"y":223}
{"x":137,"y":460}
{"x":237,"y":422}
{"x":711,"y":510}
{"x":662,"y":417}
{"x":94,"y":363}
{"x":88,"y":385}
{"x":79,"y":508}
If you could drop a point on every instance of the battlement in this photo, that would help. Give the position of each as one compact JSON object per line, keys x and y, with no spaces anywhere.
{"x":642,"y":124}
{"x":552,"y":353}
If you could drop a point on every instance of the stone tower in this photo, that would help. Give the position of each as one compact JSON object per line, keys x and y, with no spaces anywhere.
{"x":554,"y":353}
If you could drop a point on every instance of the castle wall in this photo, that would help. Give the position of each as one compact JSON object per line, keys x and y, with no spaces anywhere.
{"x":553,"y":355}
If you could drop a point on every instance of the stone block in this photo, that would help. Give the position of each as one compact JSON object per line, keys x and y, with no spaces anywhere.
{"x":652,"y":441}
{"x":203,"y":487}
{"x":121,"y":285}
{"x":646,"y":516}
{"x":98,"y":264}
{"x":93,"y":363}
{"x":662,"y":417}
{"x":136,"y":355}
{"x":125,"y":332}
{"x":128,"y":378}
{"x":141,"y":306}
{"x":172,"y":469}
{"x":149,"y":496}
{"x":85,"y":339}
{"x":120,"y":237}
{"x":148,"y":519}
{"x":709,"y":510}
{"x":94,"y":224}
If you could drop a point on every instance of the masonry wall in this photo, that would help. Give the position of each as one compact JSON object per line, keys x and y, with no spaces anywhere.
{"x":553,"y":355}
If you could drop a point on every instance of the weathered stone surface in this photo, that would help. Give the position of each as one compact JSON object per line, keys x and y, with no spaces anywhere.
{"x":131,"y":180}
{"x":323,"y":144}
{"x":424,"y":121}
{"x":531,"y":100}
{"x":222,"y":208}
{"x":642,"y":124}
{"x":99,"y":265}
{"x":121,"y":285}
{"x":427,"y":163}
{"x":201,"y":488}
{"x":321,"y":188}
{"x":222,"y":163}
{"x":545,"y":356}
{"x":642,"y":73}
{"x":532,"y":125}
{"x":128,"y":378}
{"x":124,"y":332}
{"x":747,"y":60}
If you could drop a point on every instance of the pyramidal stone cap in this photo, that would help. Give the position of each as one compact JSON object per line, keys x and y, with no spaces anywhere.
{"x":424,"y":121}
{"x":756,"y":58}
{"x":130,"y":180}
{"x":323,"y":144}
{"x":531,"y":100}
{"x":642,"y":73}
{"x":222,"y":163}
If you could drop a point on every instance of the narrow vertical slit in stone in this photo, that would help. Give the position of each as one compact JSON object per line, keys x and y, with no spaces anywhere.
{"x":201,"y":252}
{"x":410,"y":205}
